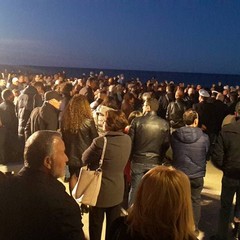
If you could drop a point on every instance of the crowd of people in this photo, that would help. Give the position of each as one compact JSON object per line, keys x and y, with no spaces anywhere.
{"x":159,"y":138}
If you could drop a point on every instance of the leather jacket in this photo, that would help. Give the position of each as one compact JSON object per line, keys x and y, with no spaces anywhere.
{"x":150,"y":138}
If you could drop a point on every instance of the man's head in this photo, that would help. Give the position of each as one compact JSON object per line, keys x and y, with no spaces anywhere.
{"x":203,"y":95}
{"x":54,"y":98}
{"x":45,"y":150}
{"x":7,"y":95}
{"x":179,"y":94}
{"x":91,"y":82}
{"x":150,"y":104}
{"x":190,"y":118}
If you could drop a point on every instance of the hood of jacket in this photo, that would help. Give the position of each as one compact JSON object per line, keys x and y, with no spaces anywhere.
{"x":188,"y":134}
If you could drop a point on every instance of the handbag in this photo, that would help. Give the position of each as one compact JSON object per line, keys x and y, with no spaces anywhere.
{"x":88,"y":186}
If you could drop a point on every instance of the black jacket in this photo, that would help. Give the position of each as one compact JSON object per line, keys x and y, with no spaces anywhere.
{"x":42,"y":118}
{"x":77,"y":143}
{"x":207,"y":116}
{"x":150,"y":139}
{"x":175,"y":112}
{"x":34,"y":205}
{"x":226,"y":153}
{"x":8,"y":133}
{"x":24,"y":107}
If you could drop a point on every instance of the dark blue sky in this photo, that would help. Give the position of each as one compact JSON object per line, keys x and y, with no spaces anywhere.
{"x":162,"y":35}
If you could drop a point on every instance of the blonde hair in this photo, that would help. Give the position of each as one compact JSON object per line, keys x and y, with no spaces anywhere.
{"x":162,"y":209}
{"x":77,"y":114}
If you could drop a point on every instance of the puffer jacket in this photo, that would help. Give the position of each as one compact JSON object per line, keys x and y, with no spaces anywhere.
{"x":190,"y":146}
{"x":150,"y":139}
{"x":226,"y":153}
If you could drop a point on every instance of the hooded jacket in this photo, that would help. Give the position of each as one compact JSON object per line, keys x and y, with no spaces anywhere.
{"x":190,"y":146}
{"x":42,"y":118}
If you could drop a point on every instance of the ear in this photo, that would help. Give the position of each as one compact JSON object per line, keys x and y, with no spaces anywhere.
{"x":47,"y":162}
{"x":195,"y":123}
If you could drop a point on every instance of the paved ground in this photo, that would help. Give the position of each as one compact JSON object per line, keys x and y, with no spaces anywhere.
{"x":210,"y":200}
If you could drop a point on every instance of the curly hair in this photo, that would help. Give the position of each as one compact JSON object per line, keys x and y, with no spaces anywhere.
{"x":76,"y":114}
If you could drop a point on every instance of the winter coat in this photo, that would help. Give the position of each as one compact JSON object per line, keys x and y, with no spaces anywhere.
{"x":42,"y":118}
{"x":77,"y":143}
{"x":175,"y":112}
{"x":150,"y":139}
{"x":24,"y":107}
{"x":35,"y":205}
{"x":116,"y":156}
{"x":190,"y":146}
{"x":226,"y":153}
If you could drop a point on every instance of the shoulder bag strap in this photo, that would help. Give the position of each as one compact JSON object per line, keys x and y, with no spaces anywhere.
{"x":103,"y":152}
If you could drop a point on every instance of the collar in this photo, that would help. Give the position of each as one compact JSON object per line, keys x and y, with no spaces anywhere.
{"x":113,"y":133}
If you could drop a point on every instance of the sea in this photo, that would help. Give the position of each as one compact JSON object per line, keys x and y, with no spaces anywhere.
{"x":204,"y":79}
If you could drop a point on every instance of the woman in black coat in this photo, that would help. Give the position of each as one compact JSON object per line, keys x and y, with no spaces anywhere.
{"x":117,"y":153}
{"x":78,"y":130}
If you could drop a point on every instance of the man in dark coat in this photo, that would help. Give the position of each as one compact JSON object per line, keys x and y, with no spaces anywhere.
{"x":34,"y":204}
{"x":46,"y":116}
{"x":207,"y":117}
{"x":226,"y":156}
{"x":9,"y":151}
{"x":175,"y":111}
{"x":190,"y":146}
{"x":150,"y":141}
{"x":88,"y":90}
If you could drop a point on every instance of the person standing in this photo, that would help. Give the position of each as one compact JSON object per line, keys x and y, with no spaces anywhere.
{"x":190,"y":147}
{"x":9,"y":150}
{"x":46,"y":116}
{"x":78,"y":129}
{"x":226,"y":156}
{"x":150,"y":141}
{"x":117,"y":153}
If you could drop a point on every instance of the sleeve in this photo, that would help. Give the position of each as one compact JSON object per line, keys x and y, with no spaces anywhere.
{"x":218,"y":152}
{"x":168,"y":111}
{"x":27,"y":129}
{"x":92,"y":154}
{"x":131,"y":132}
{"x":93,"y":130}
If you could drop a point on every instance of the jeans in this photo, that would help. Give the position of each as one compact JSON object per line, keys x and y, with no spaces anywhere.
{"x":229,"y":188}
{"x":196,"y":189}
{"x":137,"y":172}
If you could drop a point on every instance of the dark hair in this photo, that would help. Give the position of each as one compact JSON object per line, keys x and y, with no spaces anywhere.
{"x":134,"y":114}
{"x":153,"y":103}
{"x":128,"y":96}
{"x":38,"y":146}
{"x":189,"y":116}
{"x":115,"y":120}
{"x":6,"y":93}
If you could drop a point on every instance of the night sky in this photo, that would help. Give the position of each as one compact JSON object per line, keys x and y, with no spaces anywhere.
{"x":161,"y":35}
